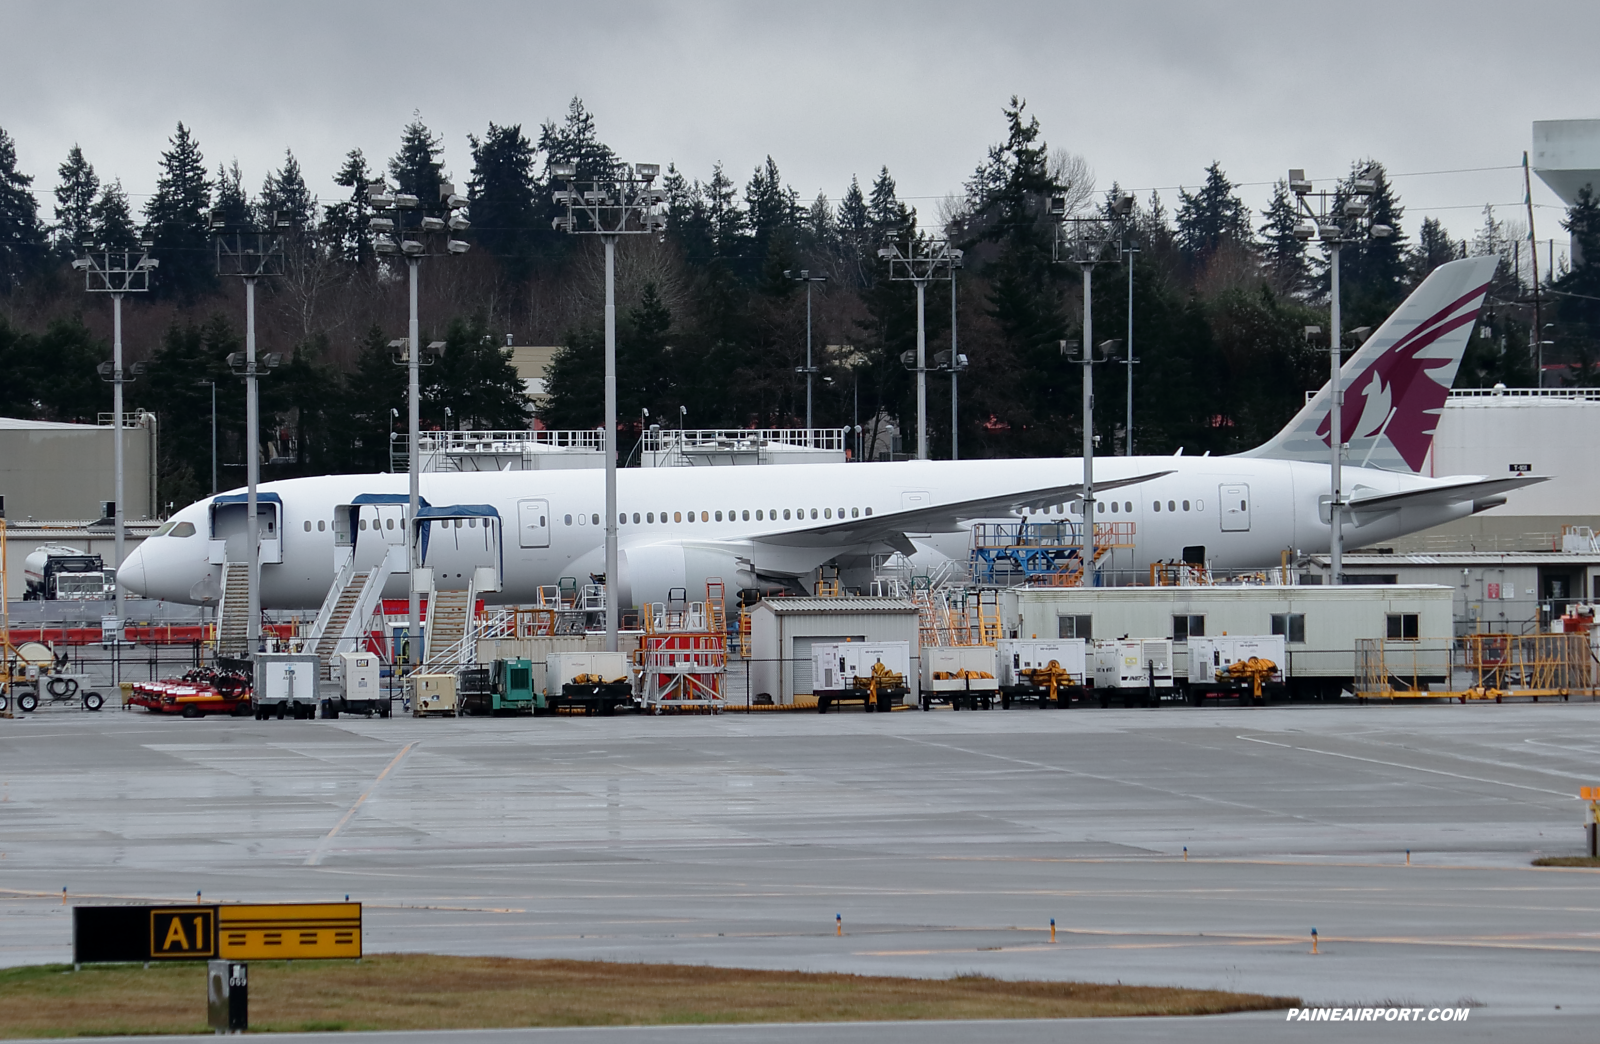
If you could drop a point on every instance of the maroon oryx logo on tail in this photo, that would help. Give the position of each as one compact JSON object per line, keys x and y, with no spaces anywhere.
{"x":1401,"y":393}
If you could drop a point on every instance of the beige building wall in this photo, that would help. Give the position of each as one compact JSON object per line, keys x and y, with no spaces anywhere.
{"x":53,"y":472}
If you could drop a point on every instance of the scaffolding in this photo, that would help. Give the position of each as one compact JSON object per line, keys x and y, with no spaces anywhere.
{"x":1041,"y":553}
{"x":1477,"y":667}
{"x":682,"y":660}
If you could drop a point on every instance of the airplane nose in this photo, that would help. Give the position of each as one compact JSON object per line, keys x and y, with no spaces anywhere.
{"x":132,"y":576}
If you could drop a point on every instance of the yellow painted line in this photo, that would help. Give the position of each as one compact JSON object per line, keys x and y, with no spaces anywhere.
{"x":316,"y":856}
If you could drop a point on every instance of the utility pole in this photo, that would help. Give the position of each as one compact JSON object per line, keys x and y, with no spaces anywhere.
{"x":808,"y":369}
{"x":1533,"y":251}
{"x":622,"y":202}
{"x":1086,"y":242}
{"x":1327,"y":226}
{"x":396,"y":232}
{"x":918,"y":264}
{"x":118,"y":271}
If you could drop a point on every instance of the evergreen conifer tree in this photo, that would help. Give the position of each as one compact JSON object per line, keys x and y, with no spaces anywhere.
{"x":416,"y":168}
{"x":21,"y":235}
{"x":177,"y":216}
{"x":112,"y":218}
{"x":1210,"y":217}
{"x":1373,"y":272}
{"x":727,"y":220}
{"x":232,"y":202}
{"x":345,"y":228}
{"x":855,"y":231}
{"x":284,"y":193}
{"x":76,"y":192}
{"x":577,"y":142}
{"x":505,"y":207}
{"x":1284,"y":253}
{"x":1434,"y":248}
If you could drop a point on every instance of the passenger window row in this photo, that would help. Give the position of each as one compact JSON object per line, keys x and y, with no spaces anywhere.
{"x":733,"y":515}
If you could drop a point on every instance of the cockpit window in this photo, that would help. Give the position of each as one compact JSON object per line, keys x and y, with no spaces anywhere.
{"x":182,"y":529}
{"x":165,"y":529}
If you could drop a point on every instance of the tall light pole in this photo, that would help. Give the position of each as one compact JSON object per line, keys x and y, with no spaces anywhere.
{"x":401,"y":228}
{"x":1328,"y":226}
{"x":921,"y":262}
{"x":249,"y":256}
{"x":623,"y":201}
{"x":1086,"y":242}
{"x":809,"y":370}
{"x":1130,"y":247}
{"x":118,"y":271}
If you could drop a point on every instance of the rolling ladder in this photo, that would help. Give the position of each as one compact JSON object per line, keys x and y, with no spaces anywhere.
{"x":233,"y":614}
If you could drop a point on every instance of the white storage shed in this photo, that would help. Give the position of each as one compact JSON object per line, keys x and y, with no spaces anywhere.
{"x":783,"y":630}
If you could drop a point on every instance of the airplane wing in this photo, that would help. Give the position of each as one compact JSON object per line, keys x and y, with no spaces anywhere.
{"x":1475,"y":488}
{"x":941,"y":518}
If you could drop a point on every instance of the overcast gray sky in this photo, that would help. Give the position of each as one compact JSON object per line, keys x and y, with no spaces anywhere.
{"x":1148,"y":93}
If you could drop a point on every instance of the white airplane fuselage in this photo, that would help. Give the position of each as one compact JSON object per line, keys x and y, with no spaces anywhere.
{"x":1243,"y":511}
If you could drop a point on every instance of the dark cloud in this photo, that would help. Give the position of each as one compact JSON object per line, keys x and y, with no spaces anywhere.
{"x":1148,"y":93}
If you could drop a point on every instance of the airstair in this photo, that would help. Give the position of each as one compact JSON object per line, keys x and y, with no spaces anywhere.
{"x":233,"y":613}
{"x":341,"y":623}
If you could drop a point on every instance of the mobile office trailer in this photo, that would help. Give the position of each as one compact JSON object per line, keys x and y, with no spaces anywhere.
{"x":1210,"y":657}
{"x":960,"y":675}
{"x":1036,"y":669}
{"x":598,"y":682}
{"x":286,"y":685}
{"x":1321,"y":624}
{"x":359,"y":676}
{"x":1136,"y":669}
{"x":875,"y":674}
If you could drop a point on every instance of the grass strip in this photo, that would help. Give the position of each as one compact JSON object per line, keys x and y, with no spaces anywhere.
{"x":1566,"y":861}
{"x":423,"y":992}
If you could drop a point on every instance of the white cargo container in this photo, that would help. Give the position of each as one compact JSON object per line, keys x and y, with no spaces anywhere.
{"x":599,"y":682}
{"x":960,"y":675}
{"x":1210,"y":655}
{"x":1131,"y":668}
{"x":1017,"y":656}
{"x":837,"y":666}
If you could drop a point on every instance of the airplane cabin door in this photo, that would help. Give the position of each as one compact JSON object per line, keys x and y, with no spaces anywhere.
{"x":1234,"y":501}
{"x":533,"y":523}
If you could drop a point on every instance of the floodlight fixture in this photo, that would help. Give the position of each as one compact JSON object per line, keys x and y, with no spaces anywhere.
{"x":386,"y":245}
{"x":1366,"y":185}
{"x":563,"y":170}
{"x":432,"y":224}
{"x":399,"y":344}
{"x":1382,"y":231}
{"x":218,"y":220}
{"x":1355,"y":207}
{"x":406,"y":200}
{"x":1123,"y":206}
{"x":1298,"y":183}
{"x":436,"y":347}
{"x":886,"y":253}
{"x":1304,"y":230}
{"x":458,"y":221}
{"x":381,"y":224}
{"x":272,"y":359}
{"x":647,"y":171}
{"x":1058,"y":205}
{"x":458,"y":246}
{"x":81,"y":264}
{"x":1329,"y":232}
{"x":412,"y":247}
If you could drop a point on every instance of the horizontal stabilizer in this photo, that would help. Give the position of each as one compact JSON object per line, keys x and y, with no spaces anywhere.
{"x":1457,"y":490}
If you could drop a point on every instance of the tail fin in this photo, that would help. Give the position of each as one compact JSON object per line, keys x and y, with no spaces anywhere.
{"x":1395,"y":386}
